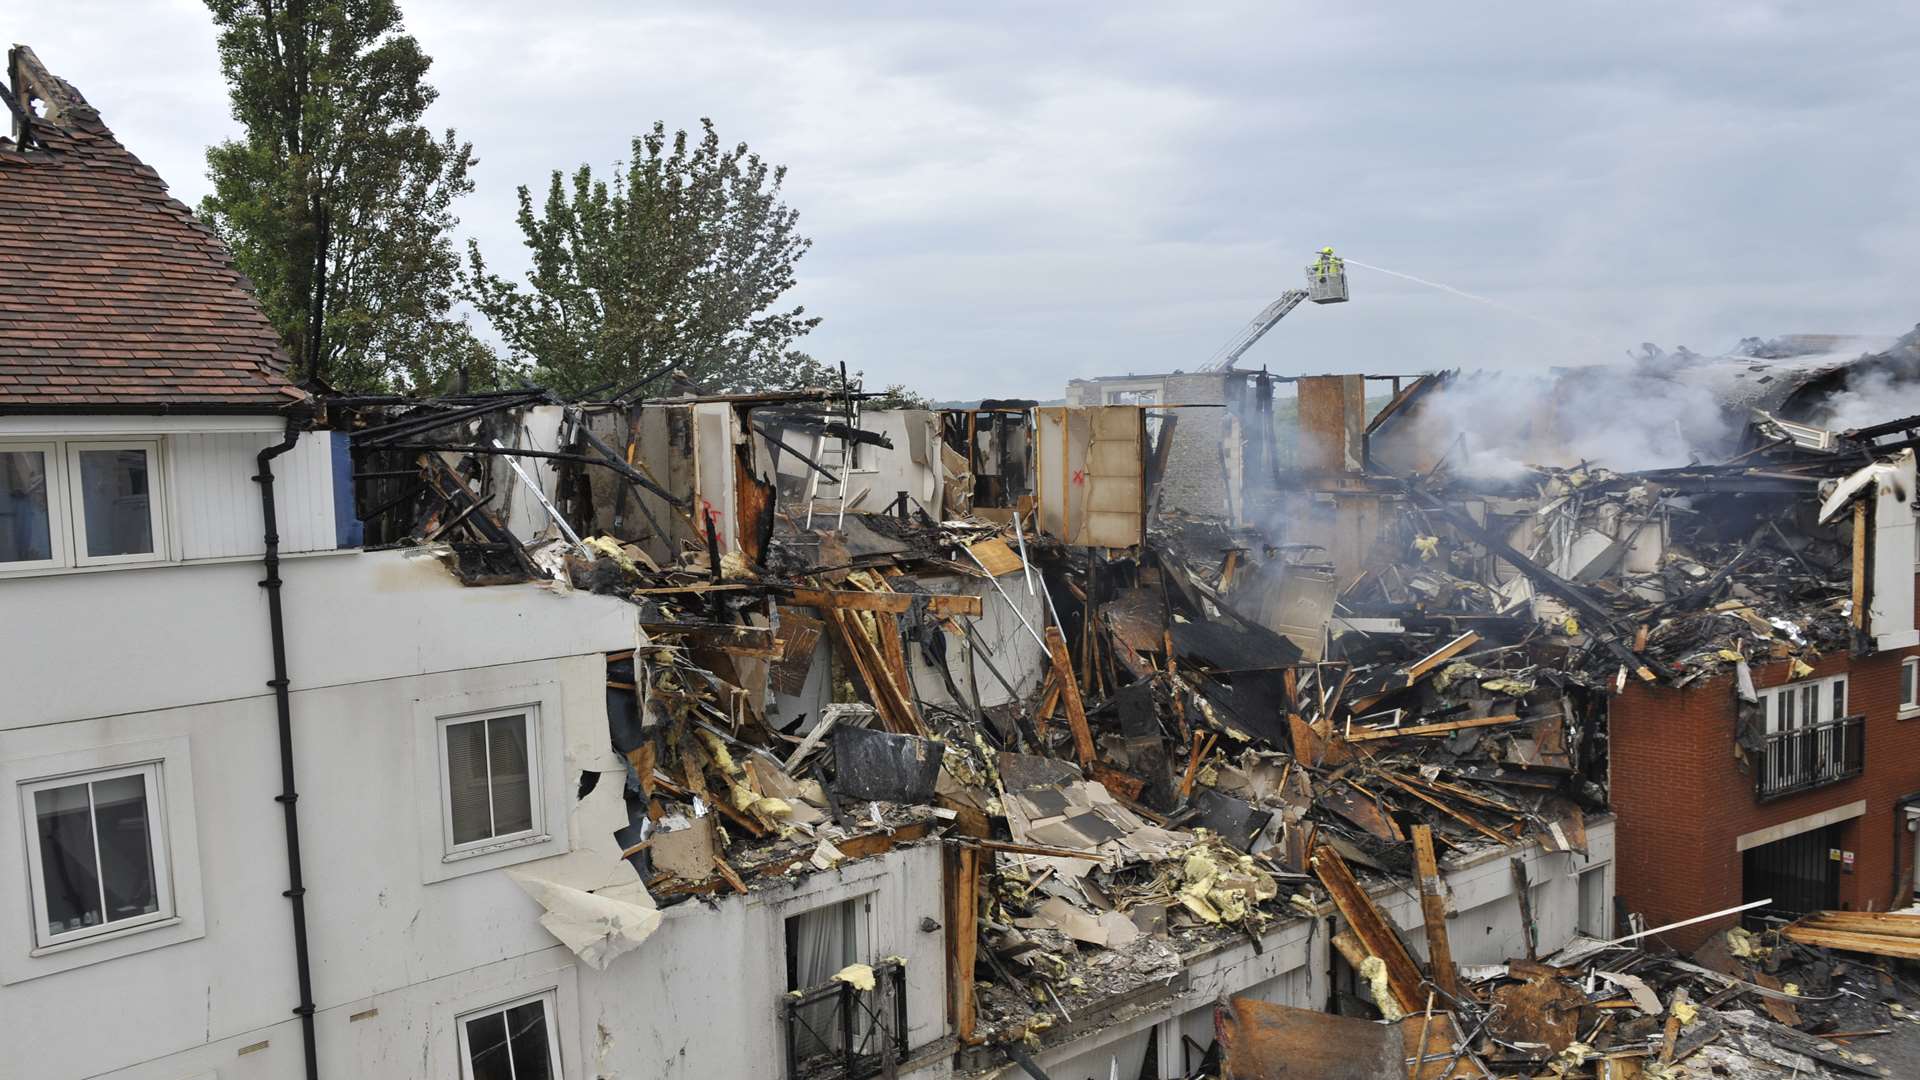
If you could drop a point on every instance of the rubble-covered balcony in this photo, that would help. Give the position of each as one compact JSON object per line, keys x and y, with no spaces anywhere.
{"x":850,"y":1027}
{"x":1801,"y":758}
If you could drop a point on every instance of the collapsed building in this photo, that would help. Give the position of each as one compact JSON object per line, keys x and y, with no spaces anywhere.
{"x":770,"y":735}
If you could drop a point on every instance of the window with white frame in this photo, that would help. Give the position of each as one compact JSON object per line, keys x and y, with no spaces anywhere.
{"x":1910,"y":685}
{"x":514,"y":1041}
{"x":1596,"y":921}
{"x":489,"y":768}
{"x":80,"y":503}
{"x":97,"y":853}
{"x":1804,"y":704}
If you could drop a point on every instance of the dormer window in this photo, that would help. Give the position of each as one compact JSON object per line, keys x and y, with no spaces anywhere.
{"x":74,"y":503}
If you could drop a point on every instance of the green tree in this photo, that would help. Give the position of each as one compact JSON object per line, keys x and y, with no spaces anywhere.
{"x":680,"y":260}
{"x":899,"y":396}
{"x":336,"y":200}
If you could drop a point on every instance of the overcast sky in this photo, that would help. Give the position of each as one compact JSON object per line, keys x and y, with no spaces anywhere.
{"x":1005,"y":196}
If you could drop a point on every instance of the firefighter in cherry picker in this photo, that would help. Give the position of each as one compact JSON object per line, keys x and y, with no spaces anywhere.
{"x":1329,"y":264}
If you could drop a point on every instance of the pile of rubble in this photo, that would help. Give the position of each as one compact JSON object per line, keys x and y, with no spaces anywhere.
{"x":1158,"y":748}
{"x":1751,"y":1005}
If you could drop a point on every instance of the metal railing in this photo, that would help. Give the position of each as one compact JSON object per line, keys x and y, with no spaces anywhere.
{"x":835,"y":1031}
{"x":1809,"y":757}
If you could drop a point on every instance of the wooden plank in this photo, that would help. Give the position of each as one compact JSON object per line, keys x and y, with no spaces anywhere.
{"x":1441,"y":655}
{"x":1859,"y":613}
{"x":728,"y":872}
{"x":896,"y":712}
{"x":890,"y":602}
{"x":964,"y":942}
{"x":1874,"y":944}
{"x":1037,"y":849}
{"x":1070,"y":693}
{"x":1865,"y":922}
{"x":1461,"y":817}
{"x":1370,"y":926}
{"x":1433,"y":911}
{"x":1262,"y":1041}
{"x":1364,"y":734}
{"x":996,"y":556}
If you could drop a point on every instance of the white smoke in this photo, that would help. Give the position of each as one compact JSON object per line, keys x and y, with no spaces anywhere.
{"x":1873,"y":397}
{"x":1493,"y":425}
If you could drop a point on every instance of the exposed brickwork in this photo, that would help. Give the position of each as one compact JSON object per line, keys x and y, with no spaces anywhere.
{"x":1681,"y":798}
{"x":111,"y":292}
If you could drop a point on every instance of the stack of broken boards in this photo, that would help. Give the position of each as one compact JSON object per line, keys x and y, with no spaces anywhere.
{"x":1744,"y":1005}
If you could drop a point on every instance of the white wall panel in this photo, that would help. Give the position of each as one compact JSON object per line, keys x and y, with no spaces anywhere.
{"x":216,"y":504}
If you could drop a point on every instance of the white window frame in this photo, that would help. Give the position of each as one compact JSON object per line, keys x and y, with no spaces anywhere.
{"x":547,"y":759}
{"x":1579,"y":901}
{"x":530,"y":715}
{"x":1910,"y":688}
{"x":56,"y":507}
{"x":549,"y":1000}
{"x":1787,"y":702}
{"x":151,"y":772}
{"x":171,"y":809}
{"x":66,"y":509}
{"x":156,"y":501}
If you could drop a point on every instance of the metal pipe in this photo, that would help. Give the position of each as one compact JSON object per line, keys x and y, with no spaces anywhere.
{"x":415,"y":425}
{"x":1037,"y":639}
{"x":283,"y":706}
{"x":553,"y":514}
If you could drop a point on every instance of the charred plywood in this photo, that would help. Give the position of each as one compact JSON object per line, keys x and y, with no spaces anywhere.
{"x":1333,"y":422}
{"x":1261,"y":1041}
{"x":665,"y":449}
{"x":1090,"y":474}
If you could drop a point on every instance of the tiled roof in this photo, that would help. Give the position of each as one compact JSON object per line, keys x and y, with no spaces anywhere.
{"x":112,"y":295}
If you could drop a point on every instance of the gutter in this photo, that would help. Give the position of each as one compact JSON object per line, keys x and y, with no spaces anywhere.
{"x":297,"y":406}
{"x":288,"y":797}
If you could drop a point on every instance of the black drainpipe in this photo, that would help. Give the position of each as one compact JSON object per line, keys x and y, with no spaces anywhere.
{"x":288,"y":797}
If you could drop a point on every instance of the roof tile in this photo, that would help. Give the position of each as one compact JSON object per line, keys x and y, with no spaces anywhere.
{"x":111,"y":292}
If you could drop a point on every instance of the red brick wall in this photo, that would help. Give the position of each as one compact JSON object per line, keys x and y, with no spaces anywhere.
{"x":1680,"y":798}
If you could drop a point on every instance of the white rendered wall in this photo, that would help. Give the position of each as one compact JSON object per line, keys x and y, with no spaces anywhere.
{"x":181,"y":652}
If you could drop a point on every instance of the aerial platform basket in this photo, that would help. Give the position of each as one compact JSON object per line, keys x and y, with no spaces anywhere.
{"x":1327,"y":282}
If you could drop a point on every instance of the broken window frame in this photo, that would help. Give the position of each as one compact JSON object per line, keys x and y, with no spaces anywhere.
{"x":536,"y":832}
{"x":158,"y":854}
{"x":548,"y":1000}
{"x":882,"y":1015}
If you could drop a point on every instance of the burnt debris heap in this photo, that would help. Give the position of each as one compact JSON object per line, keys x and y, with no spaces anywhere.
{"x":1143,"y":737}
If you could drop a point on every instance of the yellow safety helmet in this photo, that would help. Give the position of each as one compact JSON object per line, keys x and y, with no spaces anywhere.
{"x":1326,"y":251}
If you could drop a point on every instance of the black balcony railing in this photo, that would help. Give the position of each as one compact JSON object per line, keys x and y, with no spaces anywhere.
{"x":1809,"y":757}
{"x":838,"y":1032}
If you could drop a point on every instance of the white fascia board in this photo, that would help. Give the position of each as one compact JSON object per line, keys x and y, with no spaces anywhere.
{"x":42,"y":425}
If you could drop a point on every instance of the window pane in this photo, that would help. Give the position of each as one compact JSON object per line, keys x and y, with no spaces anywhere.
{"x":126,"y":846}
{"x":512,"y":798}
{"x":68,"y":870}
{"x":467,"y":781}
{"x":1906,"y":682}
{"x":527,"y":1039}
{"x":25,"y":528}
{"x":487,"y":1047}
{"x":113,"y":491}
{"x":1839,"y":699}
